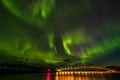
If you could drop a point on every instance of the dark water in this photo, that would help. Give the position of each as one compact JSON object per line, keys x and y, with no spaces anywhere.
{"x":54,"y":76}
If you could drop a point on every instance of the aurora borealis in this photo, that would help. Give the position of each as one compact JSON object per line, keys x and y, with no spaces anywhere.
{"x":60,"y":31}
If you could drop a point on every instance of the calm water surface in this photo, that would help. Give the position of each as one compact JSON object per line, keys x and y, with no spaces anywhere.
{"x":54,"y":76}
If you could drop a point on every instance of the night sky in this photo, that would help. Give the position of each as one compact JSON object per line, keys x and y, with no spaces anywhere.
{"x":60,"y":32}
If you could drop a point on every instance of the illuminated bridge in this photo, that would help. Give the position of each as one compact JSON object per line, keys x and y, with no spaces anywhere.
{"x":82,"y":69}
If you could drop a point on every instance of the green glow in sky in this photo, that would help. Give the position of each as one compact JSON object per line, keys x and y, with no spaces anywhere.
{"x":65,"y":44}
{"x":34,"y":12}
{"x":51,"y":40}
{"x":39,"y":44}
{"x":79,"y":37}
{"x":21,"y":46}
{"x":47,"y":6}
{"x":11,"y":6}
{"x":73,"y":38}
{"x":99,"y":49}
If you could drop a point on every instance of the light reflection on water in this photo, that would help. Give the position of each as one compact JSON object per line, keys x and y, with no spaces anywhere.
{"x":62,"y":76}
{"x":48,"y":77}
{"x":80,"y":76}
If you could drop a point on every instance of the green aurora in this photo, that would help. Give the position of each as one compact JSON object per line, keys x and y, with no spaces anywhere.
{"x":19,"y":43}
{"x":34,"y":12}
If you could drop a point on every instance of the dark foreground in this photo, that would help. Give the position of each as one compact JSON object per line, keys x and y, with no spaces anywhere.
{"x":53,"y":76}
